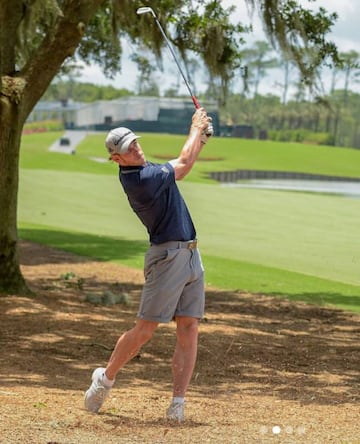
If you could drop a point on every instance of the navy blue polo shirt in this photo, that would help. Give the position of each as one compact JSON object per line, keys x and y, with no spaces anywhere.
{"x":155,"y":198}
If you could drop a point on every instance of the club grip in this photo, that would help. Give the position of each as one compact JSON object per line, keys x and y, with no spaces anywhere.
{"x":196,"y":102}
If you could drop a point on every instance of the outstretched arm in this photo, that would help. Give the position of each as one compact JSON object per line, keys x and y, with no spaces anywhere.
{"x":193,"y":145}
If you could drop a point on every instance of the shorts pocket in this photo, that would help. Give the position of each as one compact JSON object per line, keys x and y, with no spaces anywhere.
{"x":156,"y":261}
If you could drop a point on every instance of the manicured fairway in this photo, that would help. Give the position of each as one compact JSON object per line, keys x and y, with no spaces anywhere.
{"x":293,"y":244}
{"x":284,"y":231}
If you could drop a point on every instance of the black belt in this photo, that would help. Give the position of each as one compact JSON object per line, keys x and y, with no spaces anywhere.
{"x":190,"y":245}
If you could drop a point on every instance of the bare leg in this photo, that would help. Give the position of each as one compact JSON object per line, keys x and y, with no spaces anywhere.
{"x":185,"y":354}
{"x":128,"y":346}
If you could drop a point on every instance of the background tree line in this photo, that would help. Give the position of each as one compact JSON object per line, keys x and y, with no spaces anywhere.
{"x":294,"y":112}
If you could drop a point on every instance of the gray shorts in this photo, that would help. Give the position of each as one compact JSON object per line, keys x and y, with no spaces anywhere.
{"x":174,"y":283}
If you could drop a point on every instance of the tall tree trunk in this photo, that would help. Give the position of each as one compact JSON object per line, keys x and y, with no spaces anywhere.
{"x":11,"y":279}
{"x":286,"y":82}
{"x":19,"y":92}
{"x":328,"y":121}
{"x":337,"y":118}
{"x":355,"y":135}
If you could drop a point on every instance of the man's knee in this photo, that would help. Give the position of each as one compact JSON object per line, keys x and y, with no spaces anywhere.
{"x":144,"y":331}
{"x":186,"y":326}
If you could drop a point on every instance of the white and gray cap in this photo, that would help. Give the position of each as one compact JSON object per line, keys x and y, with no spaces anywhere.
{"x":119,"y":139}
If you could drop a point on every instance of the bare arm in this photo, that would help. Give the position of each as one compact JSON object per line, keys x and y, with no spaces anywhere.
{"x":193,"y":145}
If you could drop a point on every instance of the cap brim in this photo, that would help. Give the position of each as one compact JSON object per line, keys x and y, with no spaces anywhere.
{"x":125,"y":145}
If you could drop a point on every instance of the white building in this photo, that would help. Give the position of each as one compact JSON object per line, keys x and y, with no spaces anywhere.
{"x":157,"y":114}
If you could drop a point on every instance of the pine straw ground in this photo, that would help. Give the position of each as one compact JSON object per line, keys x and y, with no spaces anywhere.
{"x":268,"y":370}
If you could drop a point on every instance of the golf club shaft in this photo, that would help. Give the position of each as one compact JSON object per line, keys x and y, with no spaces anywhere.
{"x":146,"y":9}
{"x":193,"y":97}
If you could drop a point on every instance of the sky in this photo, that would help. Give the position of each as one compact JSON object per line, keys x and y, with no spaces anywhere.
{"x":345,"y":34}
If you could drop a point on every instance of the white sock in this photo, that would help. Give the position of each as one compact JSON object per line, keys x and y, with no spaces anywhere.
{"x":107,"y":382}
{"x":178,"y":400}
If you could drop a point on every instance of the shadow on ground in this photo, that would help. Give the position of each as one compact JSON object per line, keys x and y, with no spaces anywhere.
{"x":251,"y":344}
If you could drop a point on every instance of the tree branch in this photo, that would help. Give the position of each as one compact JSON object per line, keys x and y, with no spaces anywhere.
{"x":68,"y":30}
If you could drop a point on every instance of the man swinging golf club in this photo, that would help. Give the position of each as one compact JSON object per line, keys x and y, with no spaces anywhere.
{"x":174,"y":275}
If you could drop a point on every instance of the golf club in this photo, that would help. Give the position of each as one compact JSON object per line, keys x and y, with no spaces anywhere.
{"x":147,"y":9}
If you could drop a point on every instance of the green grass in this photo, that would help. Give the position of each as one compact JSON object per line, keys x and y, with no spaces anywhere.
{"x":224,"y":273}
{"x":302,"y":246}
{"x":35,"y":155}
{"x":227,"y":154}
{"x":273,"y":281}
{"x":102,"y":247}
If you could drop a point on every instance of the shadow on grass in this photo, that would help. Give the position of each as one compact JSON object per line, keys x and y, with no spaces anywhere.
{"x":99,"y":247}
{"x":106,"y":248}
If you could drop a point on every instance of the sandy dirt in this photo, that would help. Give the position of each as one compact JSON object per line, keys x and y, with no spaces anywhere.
{"x":268,"y":370}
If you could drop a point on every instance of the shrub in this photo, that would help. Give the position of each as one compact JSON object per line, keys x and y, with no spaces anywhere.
{"x":301,"y":136}
{"x":43,"y":126}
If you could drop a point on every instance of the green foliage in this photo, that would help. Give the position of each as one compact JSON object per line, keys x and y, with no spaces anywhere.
{"x":109,"y":298}
{"x":38,"y":17}
{"x":40,"y":405}
{"x":61,"y":90}
{"x":100,"y":43}
{"x":325,"y":120}
{"x":301,"y":136}
{"x":258,"y":59}
{"x":204,"y":27}
{"x":67,"y":276}
{"x":146,"y":84}
{"x":300,"y":33}
{"x":44,"y":125}
{"x":209,"y":31}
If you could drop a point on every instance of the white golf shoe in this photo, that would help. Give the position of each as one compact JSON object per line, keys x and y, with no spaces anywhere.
{"x":175,"y":412}
{"x":97,"y":392}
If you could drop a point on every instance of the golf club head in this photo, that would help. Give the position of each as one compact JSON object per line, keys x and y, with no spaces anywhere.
{"x":145,"y":10}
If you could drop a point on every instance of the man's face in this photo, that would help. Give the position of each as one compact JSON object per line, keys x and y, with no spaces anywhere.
{"x":133,"y":157}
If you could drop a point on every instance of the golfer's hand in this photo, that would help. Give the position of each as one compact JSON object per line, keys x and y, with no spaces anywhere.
{"x":200,"y":119}
{"x":208,"y":132}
